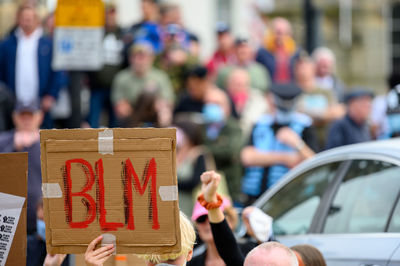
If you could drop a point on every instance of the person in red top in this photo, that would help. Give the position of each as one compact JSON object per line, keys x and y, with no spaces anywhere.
{"x":224,"y":54}
{"x":279,"y":53}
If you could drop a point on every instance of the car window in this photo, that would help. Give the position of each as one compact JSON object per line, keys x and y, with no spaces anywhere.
{"x":293,"y":207}
{"x":364,"y":199}
{"x":394,"y":225}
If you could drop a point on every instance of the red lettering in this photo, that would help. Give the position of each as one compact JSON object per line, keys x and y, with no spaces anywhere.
{"x":103,"y":212}
{"x":150,"y":172}
{"x":87,"y":200}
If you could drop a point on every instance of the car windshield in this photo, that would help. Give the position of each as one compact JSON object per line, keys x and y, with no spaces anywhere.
{"x":293,"y":206}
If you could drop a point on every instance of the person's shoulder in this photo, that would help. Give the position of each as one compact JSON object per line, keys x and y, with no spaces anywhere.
{"x":158,"y":73}
{"x":339,"y":123}
{"x":256,"y":66}
{"x":123,"y":76}
{"x":265,"y":120}
{"x":303,"y":119}
{"x":6,"y":140}
{"x":264,"y":52}
{"x":232,"y":123}
{"x":9,"y":40}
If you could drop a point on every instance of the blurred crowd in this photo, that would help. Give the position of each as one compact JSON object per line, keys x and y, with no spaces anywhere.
{"x":251,"y":113}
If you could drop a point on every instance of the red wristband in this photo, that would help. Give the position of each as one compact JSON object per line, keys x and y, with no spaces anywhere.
{"x":210,"y":205}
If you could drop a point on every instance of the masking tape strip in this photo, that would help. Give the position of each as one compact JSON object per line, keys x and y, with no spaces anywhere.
{"x":51,"y":190}
{"x":105,"y":140}
{"x":168,"y":193}
{"x":109,"y":239}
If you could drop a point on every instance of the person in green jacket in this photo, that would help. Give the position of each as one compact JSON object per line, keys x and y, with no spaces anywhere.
{"x":223,"y":137}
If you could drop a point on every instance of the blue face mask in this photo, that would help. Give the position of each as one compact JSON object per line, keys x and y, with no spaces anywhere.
{"x":41,"y":229}
{"x":213,"y":113}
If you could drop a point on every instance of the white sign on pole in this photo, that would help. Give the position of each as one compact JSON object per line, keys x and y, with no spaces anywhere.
{"x":10,"y":210}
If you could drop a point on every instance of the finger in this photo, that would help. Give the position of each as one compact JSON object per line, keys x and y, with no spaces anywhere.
{"x":106,"y":253}
{"x":206,"y":176}
{"x":105,"y":258}
{"x":215,"y":177}
{"x":93,"y":244}
{"x":102,"y":250}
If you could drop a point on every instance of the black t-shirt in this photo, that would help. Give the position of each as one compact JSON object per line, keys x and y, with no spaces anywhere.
{"x":189,"y":105}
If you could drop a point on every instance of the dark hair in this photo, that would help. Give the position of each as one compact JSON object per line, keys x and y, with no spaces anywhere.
{"x":394,"y":80}
{"x":197,"y":71}
{"x":310,"y":255}
{"x":145,"y":113}
{"x":193,"y":37}
{"x":192,"y":131}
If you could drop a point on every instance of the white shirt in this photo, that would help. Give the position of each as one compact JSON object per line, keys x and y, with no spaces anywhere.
{"x":26,"y":69}
{"x":325,"y":83}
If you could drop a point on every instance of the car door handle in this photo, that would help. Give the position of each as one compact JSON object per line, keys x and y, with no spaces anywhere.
{"x":370,"y":265}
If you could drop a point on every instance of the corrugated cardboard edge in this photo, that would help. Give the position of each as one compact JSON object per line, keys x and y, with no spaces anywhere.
{"x":17,"y":254}
{"x":118,"y":133}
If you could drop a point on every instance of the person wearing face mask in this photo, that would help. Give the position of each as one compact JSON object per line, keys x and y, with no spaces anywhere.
{"x":278,"y":142}
{"x":36,"y":244}
{"x":223,"y":137}
{"x":248,"y":103}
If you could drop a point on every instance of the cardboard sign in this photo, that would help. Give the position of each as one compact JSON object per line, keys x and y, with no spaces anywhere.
{"x":78,"y":35}
{"x":13,"y":191}
{"x":119,"y":182}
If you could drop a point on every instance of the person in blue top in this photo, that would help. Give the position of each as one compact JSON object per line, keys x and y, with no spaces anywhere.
{"x":279,"y":141}
{"x":354,"y":127}
{"x":25,"y":63}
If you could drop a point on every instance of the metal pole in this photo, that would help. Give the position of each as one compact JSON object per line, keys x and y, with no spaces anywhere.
{"x":75,"y":87}
{"x":312,"y":18}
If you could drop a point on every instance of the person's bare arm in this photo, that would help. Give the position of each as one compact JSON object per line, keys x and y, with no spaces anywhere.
{"x":210,"y":181}
{"x":292,"y":139}
{"x":250,"y":156}
{"x":54,"y":260}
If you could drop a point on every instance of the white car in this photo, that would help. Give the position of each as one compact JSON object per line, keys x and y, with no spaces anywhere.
{"x":345,"y":202}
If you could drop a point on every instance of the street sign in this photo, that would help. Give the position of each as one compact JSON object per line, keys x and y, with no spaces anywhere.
{"x":78,"y":35}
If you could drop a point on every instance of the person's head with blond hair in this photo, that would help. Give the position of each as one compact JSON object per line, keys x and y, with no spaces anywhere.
{"x":272,"y":254}
{"x":188,"y":238}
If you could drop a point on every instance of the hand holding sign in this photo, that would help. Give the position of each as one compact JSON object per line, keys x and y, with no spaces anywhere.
{"x":122,"y":183}
{"x":96,"y":257}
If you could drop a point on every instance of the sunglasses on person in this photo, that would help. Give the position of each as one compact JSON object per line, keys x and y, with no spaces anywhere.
{"x":202,"y":219}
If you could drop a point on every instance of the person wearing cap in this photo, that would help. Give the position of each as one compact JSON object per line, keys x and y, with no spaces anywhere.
{"x":353,"y":128}
{"x":279,"y":141}
{"x":279,"y":52}
{"x":244,"y":58}
{"x":140,"y":77}
{"x":100,"y":81}
{"x":25,"y":63}
{"x":207,"y":254}
{"x":176,"y":58}
{"x":224,"y":54}
{"x":147,"y":29}
{"x":27,"y":118}
{"x":270,"y":253}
